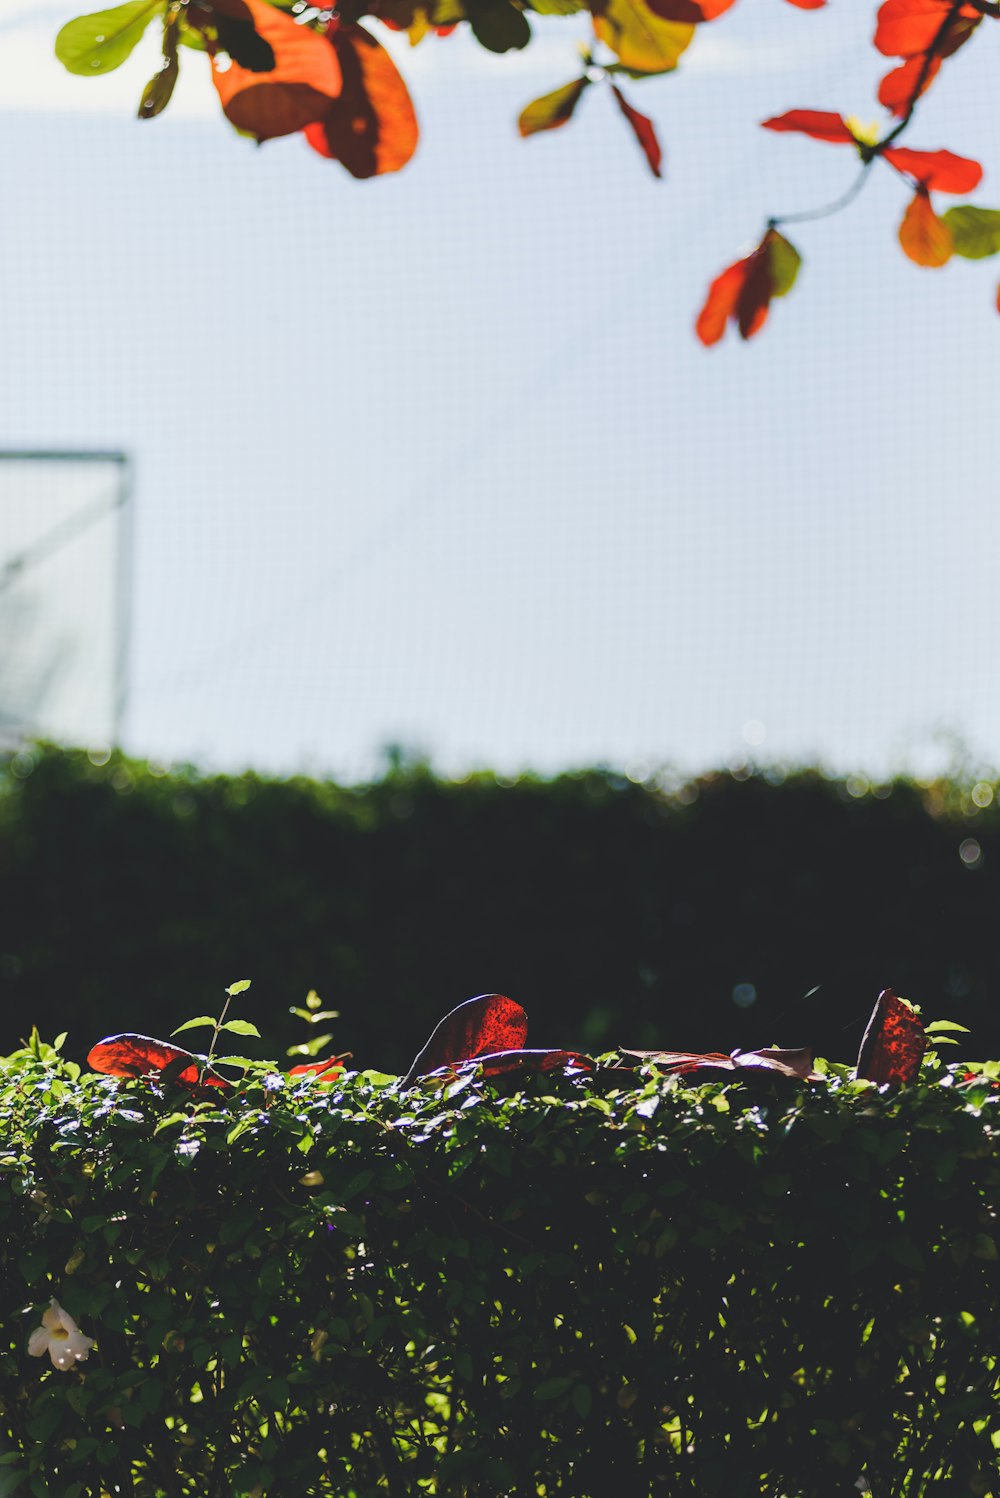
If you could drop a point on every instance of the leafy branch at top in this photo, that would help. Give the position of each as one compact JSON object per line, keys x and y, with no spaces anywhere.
{"x":287,"y":67}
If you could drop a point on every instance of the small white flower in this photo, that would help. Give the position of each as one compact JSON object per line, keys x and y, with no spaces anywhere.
{"x":60,"y":1337}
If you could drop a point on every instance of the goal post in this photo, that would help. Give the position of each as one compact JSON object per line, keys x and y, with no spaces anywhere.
{"x":65,"y":568}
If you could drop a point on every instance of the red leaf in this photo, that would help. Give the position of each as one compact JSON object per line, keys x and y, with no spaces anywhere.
{"x":908,"y":28}
{"x":893,"y":1044}
{"x":720,"y":303}
{"x":756,"y":292}
{"x":938,"y":171}
{"x":797,"y":1063}
{"x":819,"y":123}
{"x":542,"y":1061}
{"x":142,"y":1056}
{"x":897,"y":89}
{"x":644,"y":130}
{"x":329,"y":1070}
{"x":808,"y":4}
{"x":371,"y":128}
{"x":485,"y":1024}
{"x":285,"y":98}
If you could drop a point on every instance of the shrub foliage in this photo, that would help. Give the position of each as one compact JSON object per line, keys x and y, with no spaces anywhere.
{"x":617,"y":913}
{"x":537,"y":1287}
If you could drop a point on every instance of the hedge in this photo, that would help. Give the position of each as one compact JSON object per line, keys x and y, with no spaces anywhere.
{"x":561,"y":1285}
{"x":616,"y":912}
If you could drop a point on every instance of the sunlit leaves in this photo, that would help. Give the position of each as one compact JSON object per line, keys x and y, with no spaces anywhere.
{"x":490,"y":1022}
{"x":142,"y":1056}
{"x":922,"y":32}
{"x":641,"y":39}
{"x":643,"y":129}
{"x":975,"y":232}
{"x":925,"y":238}
{"x":742,"y":293}
{"x":100,"y":42}
{"x":288,"y":96}
{"x":894,"y":1042}
{"x":552,"y":110}
{"x":371,"y":128}
{"x":785,"y":1063}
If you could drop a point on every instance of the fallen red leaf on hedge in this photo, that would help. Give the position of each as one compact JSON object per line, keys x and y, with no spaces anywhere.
{"x":894,"y":1042}
{"x":499,"y":1062}
{"x":485,"y":1025}
{"x":329,"y":1070}
{"x":787,"y":1063}
{"x":142,"y":1056}
{"x":371,"y":127}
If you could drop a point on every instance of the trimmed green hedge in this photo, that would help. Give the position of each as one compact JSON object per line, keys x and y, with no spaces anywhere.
{"x":764,"y":1288}
{"x":616,"y":913}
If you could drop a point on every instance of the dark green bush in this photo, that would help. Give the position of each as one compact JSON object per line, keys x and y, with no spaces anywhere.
{"x":614,"y":912}
{"x":730,"y":1290}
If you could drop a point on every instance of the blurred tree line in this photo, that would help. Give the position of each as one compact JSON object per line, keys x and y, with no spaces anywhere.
{"x":749,"y":908}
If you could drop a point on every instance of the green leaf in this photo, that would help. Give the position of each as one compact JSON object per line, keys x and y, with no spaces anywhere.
{"x":243,"y":1061}
{"x":159,"y":90}
{"x":240,"y":987}
{"x":203,"y":1021}
{"x":975,"y":232}
{"x":640,"y":38}
{"x":498,"y":26}
{"x":556,"y":7}
{"x":984,"y":1247}
{"x":552,"y":110}
{"x":101,"y":42}
{"x":241,"y":1027}
{"x":937,"y":1025}
{"x":784,"y":261}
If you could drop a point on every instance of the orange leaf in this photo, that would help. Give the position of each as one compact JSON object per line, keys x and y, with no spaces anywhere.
{"x":925,"y":238}
{"x":371,"y":128}
{"x":720,"y":304}
{"x":898,"y":88}
{"x":644,"y":130}
{"x":808,"y":4}
{"x":283,"y":99}
{"x":819,"y":123}
{"x":142,"y":1056}
{"x":893,"y":1044}
{"x":938,"y":171}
